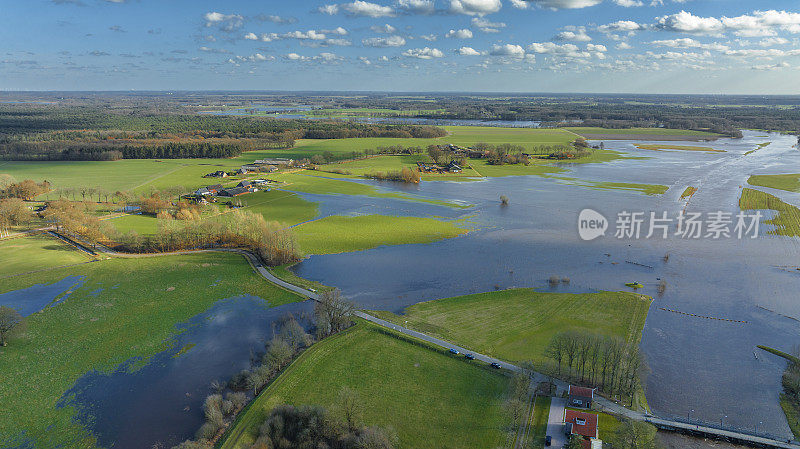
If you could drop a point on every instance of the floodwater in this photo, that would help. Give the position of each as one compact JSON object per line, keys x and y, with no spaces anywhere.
{"x":160,"y":403}
{"x":35,"y":298}
{"x":706,"y":368}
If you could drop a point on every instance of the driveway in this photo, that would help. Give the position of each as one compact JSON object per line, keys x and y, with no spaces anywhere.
{"x":555,"y":427}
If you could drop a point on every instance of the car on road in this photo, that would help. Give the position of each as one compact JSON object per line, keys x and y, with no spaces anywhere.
{"x":495,"y":365}
{"x":469,"y":356}
{"x":453,"y":351}
{"x":548,"y":440}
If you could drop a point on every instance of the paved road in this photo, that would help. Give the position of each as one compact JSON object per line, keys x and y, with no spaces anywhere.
{"x":555,"y":426}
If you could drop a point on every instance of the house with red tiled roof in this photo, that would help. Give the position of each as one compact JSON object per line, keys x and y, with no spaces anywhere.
{"x":580,"y":423}
{"x":580,"y":396}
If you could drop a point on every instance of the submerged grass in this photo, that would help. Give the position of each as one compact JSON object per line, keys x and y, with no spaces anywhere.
{"x":99,"y":331}
{"x":661,"y":146}
{"x":688,"y":192}
{"x":786,"y":221}
{"x":431,"y":399}
{"x":788,"y":182}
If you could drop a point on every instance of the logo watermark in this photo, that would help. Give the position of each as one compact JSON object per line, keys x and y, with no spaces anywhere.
{"x":660,"y":225}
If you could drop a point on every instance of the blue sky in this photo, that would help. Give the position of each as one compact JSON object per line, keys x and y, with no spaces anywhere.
{"x":636,"y":46}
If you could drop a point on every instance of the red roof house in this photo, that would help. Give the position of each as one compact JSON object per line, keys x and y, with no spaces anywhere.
{"x":580,"y":423}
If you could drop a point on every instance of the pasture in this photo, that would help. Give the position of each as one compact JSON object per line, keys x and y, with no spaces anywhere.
{"x":518,"y":324}
{"x":431,"y":399}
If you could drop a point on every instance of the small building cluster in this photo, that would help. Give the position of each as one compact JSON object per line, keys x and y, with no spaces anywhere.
{"x":452,"y":167}
{"x":579,"y":424}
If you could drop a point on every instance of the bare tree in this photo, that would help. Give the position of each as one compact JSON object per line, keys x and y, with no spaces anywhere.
{"x":9,"y":320}
{"x":333,"y":313}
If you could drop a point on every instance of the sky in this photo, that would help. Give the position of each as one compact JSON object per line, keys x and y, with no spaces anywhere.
{"x":587,"y":46}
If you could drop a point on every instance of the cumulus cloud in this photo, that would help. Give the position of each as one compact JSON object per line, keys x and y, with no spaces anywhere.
{"x":423,"y":53}
{"x":459,"y":34}
{"x":486,"y":26}
{"x":624,"y":46}
{"x":780,"y":65}
{"x":468,"y":51}
{"x":225,"y":22}
{"x":383,"y":29}
{"x":417,"y":6}
{"x":359,"y":8}
{"x":383,"y":42}
{"x":687,"y":22}
{"x":510,"y":50}
{"x":757,"y":24}
{"x":520,"y":4}
{"x":574,"y":34}
{"x":621,"y":26}
{"x":628,"y":3}
{"x":566,"y":4}
{"x":475,"y":7}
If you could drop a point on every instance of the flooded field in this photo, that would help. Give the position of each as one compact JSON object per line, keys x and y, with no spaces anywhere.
{"x":705,"y":367}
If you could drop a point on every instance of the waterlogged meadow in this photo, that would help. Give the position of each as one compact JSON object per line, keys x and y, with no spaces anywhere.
{"x":124,"y":309}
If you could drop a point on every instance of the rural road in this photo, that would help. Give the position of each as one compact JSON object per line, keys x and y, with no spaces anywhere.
{"x":555,"y":426}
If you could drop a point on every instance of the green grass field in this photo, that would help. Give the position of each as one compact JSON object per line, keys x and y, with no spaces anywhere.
{"x":541,"y":412}
{"x":431,"y":399}
{"x":786,"y":221}
{"x":607,"y":424}
{"x":760,"y":146}
{"x":37,"y":252}
{"x":339,"y":234}
{"x":517,"y":325}
{"x":89,"y":332}
{"x":788,"y":182}
{"x":284,"y":273}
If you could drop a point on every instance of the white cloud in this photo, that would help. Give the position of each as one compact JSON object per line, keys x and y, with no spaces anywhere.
{"x":429,"y":37}
{"x":520,"y":4}
{"x":423,"y":53}
{"x":780,"y":65}
{"x":459,"y":34}
{"x":596,"y":48}
{"x":475,"y":7}
{"x":510,"y":50}
{"x":574,"y":34}
{"x":251,"y":36}
{"x":486,"y":26}
{"x":383,"y":29}
{"x":225,"y":22}
{"x":624,"y":46}
{"x":621,"y":26}
{"x":468,"y":51}
{"x":552,"y":48}
{"x":566,"y":4}
{"x":358,"y":8}
{"x":417,"y":6}
{"x":770,"y":41}
{"x":383,"y":42}
{"x":687,"y":22}
{"x":628,"y":3}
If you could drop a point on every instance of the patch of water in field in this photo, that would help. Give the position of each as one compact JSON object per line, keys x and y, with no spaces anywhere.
{"x":699,"y":364}
{"x":35,"y":298}
{"x":160,"y":404}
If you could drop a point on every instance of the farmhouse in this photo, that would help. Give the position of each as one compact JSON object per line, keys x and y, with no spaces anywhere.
{"x":582,"y":425}
{"x":234,"y":191}
{"x":454,"y":168}
{"x":580,"y":396}
{"x":245,"y":184}
{"x":208,"y":190}
{"x":216,"y":174}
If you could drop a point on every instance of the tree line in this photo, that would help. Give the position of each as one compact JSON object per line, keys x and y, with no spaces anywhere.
{"x":610,"y":364}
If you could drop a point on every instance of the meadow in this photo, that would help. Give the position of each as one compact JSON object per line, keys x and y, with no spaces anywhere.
{"x":125,"y":308}
{"x":37,"y":252}
{"x":517,"y":325}
{"x":788,"y":182}
{"x":786,"y":220}
{"x":339,"y":234}
{"x":431,"y":399}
